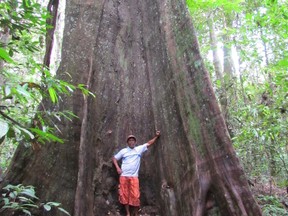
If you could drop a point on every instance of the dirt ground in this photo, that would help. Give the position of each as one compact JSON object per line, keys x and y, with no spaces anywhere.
{"x":262,"y":190}
{"x":265,"y":193}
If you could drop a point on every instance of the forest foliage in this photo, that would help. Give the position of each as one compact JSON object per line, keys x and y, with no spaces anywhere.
{"x":257,"y":89}
{"x":26,"y":81}
{"x":252,"y":89}
{"x":255,"y":86}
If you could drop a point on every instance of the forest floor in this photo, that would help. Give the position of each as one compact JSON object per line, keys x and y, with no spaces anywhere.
{"x":273,"y":201}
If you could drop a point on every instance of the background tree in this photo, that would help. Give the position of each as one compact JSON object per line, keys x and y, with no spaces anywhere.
{"x":142,"y":61}
{"x":256,"y":120}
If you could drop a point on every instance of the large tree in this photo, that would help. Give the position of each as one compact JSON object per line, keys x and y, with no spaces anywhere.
{"x":142,"y":60}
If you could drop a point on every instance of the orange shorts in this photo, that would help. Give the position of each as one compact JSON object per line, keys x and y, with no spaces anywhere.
{"x":129,"y":193}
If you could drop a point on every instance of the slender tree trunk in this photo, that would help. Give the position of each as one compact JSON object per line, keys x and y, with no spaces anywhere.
{"x":51,"y":22}
{"x":217,"y":64}
{"x":213,"y":43}
{"x":141,"y":59}
{"x":4,"y":39}
{"x":229,"y":84}
{"x":229,"y":68}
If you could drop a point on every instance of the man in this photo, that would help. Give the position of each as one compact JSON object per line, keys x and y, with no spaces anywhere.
{"x":129,"y":193}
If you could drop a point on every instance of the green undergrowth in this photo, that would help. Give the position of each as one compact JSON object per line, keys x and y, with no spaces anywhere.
{"x":20,"y":199}
{"x":272,"y":205}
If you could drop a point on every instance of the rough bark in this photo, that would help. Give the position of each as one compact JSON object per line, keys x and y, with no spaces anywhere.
{"x":141,"y":59}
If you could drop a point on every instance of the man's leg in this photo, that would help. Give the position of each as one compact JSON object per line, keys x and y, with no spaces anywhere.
{"x":135,"y":211}
{"x":127,"y":210}
{"x":134,"y":199}
{"x":124,"y":193}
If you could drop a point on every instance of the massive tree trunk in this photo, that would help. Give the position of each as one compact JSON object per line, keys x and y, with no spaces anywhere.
{"x":141,"y":59}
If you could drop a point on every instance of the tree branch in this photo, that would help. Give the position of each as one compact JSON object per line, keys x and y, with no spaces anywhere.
{"x":9,"y":118}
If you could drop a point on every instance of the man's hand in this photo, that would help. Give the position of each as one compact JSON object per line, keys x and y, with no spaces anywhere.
{"x":119,"y":171}
{"x":152,"y":141}
{"x":157,"y":133}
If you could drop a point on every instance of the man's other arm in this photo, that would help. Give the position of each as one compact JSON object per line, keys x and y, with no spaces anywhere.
{"x":115,"y":162}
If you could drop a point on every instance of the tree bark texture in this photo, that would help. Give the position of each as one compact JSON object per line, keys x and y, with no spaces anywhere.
{"x":141,"y":59}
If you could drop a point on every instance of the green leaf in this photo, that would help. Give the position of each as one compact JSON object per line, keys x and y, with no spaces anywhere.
{"x":218,"y":83}
{"x":53,"y":95}
{"x":4,"y":127}
{"x":30,"y":205}
{"x":54,"y":138}
{"x":47,"y":207}
{"x":68,"y":115}
{"x":26,"y":212}
{"x":26,"y":3}
{"x":21,"y":90}
{"x":6,"y":201}
{"x":27,"y":132}
{"x":84,"y":90}
{"x":7,"y":90}
{"x":46,"y":136}
{"x":283,"y":63}
{"x":5,"y":56}
{"x":29,"y":192}
{"x":11,"y":53}
{"x":13,"y":194}
{"x":64,"y":211}
{"x":56,"y":204}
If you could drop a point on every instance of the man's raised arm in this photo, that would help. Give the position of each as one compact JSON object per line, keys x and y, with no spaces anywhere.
{"x":152,"y":141}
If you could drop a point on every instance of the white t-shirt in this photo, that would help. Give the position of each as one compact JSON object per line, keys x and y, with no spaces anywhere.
{"x":131,"y":159}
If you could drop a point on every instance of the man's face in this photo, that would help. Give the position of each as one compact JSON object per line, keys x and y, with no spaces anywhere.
{"x":131,"y":142}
